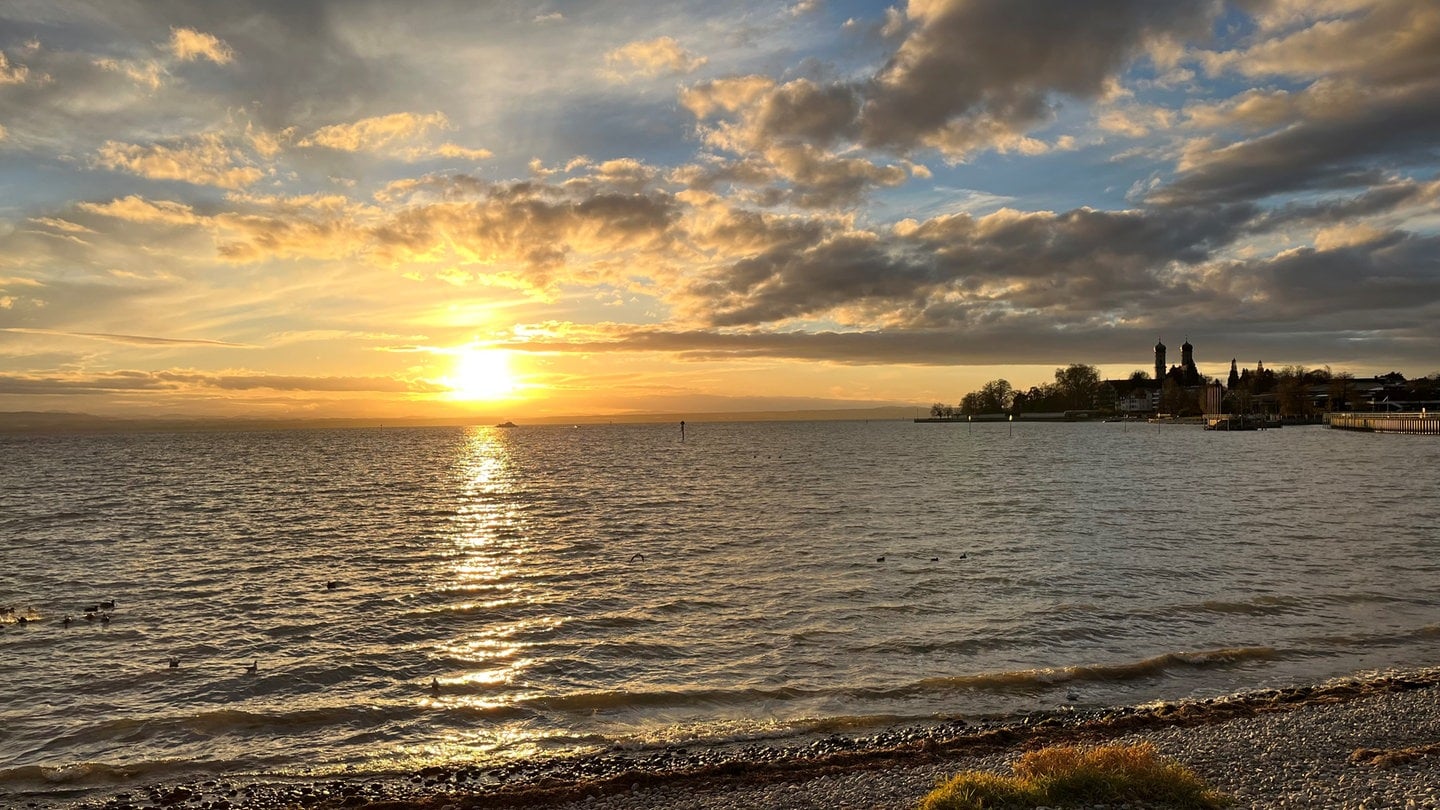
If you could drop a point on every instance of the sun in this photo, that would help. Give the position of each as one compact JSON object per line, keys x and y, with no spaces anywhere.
{"x":482,"y":374}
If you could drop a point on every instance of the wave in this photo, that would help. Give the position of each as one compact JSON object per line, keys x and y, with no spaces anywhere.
{"x":676,"y":698}
{"x":1260,"y":606}
{"x":1326,"y":645}
{"x":224,"y":722}
{"x":1019,"y":680}
{"x":81,"y":775}
{"x":1133,"y":670}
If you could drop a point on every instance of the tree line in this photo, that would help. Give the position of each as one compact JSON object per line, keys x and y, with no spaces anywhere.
{"x":1076,"y":387}
{"x":1289,"y":391}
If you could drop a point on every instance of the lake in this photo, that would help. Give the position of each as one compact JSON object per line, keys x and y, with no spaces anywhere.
{"x":418,"y":596}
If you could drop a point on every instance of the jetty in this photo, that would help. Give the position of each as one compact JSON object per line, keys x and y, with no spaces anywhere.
{"x":1251,"y":421}
{"x":1422,"y":423}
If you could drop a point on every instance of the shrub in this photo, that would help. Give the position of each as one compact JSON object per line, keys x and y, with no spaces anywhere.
{"x":1072,"y":776}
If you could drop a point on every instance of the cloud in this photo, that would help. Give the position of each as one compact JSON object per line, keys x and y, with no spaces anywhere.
{"x":209,"y":159}
{"x":380,"y":134}
{"x":973,"y":74}
{"x":138,"y":209}
{"x":187,"y":45}
{"x":521,"y":233}
{"x":1134,"y":120}
{"x":12,"y":74}
{"x":181,"y":381}
{"x":146,"y":73}
{"x":59,"y":224}
{"x":1372,"y":103}
{"x":310,"y":226}
{"x":654,"y":57}
{"x":451,"y":150}
{"x":725,"y":95}
{"x":133,"y":340}
{"x":969,"y":76}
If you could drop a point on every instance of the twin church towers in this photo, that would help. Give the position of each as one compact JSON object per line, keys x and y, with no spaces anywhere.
{"x":1185,"y":374}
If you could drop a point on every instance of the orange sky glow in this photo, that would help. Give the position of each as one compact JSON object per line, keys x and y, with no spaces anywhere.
{"x":534,"y":210}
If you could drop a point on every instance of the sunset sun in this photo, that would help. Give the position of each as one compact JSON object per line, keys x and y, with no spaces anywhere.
{"x":481,"y":375}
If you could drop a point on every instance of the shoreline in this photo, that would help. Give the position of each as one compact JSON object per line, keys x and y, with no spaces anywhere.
{"x":886,"y":769}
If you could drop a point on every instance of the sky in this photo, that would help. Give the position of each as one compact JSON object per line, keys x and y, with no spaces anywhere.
{"x":508,"y":209}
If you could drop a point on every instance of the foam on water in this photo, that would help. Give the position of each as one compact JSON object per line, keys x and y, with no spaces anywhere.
{"x":417,"y":596}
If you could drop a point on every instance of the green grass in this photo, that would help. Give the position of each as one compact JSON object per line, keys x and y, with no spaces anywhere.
{"x":1074,"y":776}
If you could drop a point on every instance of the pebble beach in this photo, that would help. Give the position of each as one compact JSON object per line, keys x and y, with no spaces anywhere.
{"x":1369,"y":742}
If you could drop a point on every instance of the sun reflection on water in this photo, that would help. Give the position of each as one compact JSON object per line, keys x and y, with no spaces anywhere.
{"x":482,"y":576}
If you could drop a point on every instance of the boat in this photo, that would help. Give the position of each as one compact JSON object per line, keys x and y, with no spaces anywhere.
{"x":507,"y":424}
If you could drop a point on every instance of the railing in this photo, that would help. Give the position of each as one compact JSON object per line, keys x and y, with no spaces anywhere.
{"x":1415,"y":423}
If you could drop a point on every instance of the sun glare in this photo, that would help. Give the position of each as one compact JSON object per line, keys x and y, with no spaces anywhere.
{"x":482,"y":374}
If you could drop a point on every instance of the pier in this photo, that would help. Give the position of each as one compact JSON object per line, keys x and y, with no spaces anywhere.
{"x":1422,"y":423}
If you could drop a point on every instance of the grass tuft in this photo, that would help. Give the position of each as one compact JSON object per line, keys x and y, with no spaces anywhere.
{"x":1074,"y":776}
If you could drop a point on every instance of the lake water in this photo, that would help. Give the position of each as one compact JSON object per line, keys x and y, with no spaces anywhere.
{"x":574,"y":588}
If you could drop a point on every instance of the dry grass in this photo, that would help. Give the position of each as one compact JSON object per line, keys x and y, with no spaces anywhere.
{"x":1073,"y":776}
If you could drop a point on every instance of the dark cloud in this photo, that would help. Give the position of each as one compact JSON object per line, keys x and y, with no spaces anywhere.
{"x":1069,"y":265}
{"x":1333,"y":152}
{"x":1369,"y":105}
{"x":970,"y":76}
{"x":983,"y":71}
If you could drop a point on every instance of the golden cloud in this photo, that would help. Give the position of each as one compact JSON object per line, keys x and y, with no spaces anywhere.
{"x":451,"y":150}
{"x":205,"y":160}
{"x":378,"y":133}
{"x":729,"y":95}
{"x":138,"y":209}
{"x":188,"y":45}
{"x":145,"y":73}
{"x":653,"y":58}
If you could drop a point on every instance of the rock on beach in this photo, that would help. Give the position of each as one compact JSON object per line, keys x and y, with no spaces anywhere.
{"x":1354,"y":743}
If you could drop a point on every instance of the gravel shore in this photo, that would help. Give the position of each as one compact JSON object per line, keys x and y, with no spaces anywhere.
{"x":1354,"y":743}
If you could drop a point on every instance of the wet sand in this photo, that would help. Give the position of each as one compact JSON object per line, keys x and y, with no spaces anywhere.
{"x":1371,"y":742}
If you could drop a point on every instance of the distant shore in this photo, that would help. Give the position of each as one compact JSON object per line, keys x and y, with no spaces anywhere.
{"x":23,"y":422}
{"x":1373,"y":740}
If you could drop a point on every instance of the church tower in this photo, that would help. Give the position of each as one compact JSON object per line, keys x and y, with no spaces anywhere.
{"x":1190,"y":374}
{"x":1159,"y":360}
{"x":1234,"y":376}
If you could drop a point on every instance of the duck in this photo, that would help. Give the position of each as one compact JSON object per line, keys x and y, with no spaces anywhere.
{"x":174,"y":662}
{"x":253,"y":668}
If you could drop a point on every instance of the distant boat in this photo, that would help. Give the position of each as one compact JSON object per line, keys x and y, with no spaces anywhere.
{"x":507,"y":424}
